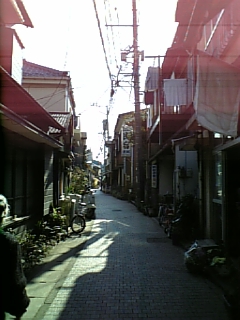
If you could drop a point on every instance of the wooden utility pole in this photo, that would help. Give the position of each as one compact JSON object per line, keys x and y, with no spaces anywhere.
{"x":137,"y":126}
{"x":137,"y":123}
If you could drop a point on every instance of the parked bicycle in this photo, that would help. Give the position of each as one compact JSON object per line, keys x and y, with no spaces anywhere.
{"x":165,"y":217}
{"x":78,"y":222}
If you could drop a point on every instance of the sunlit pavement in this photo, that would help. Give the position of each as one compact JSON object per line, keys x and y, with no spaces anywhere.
{"x":123,"y":267}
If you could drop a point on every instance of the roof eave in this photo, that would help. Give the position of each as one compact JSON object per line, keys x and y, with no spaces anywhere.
{"x":28,"y":129}
{"x":23,"y":92}
{"x":27,"y":21}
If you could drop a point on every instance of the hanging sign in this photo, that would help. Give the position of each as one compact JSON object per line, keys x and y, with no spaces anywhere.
{"x":126,"y":136}
{"x":154,"y":176}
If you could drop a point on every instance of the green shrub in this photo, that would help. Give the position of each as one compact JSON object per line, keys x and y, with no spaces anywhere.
{"x":78,"y":181}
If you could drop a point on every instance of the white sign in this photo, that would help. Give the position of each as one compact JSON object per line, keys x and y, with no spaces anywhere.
{"x":126,"y":135}
{"x":154,"y":176}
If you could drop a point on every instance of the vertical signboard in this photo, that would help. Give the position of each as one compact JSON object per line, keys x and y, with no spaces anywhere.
{"x":126,"y":135}
{"x":154,"y":176}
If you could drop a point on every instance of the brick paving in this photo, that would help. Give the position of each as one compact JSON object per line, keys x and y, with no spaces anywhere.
{"x":128,"y":269}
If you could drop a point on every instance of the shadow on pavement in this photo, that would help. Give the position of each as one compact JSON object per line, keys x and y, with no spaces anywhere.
{"x":123,"y":276}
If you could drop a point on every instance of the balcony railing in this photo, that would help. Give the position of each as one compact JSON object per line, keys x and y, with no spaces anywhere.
{"x":174,"y":110}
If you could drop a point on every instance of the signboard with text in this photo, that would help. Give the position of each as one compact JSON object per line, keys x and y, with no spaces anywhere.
{"x":154,"y":176}
{"x":126,"y":136}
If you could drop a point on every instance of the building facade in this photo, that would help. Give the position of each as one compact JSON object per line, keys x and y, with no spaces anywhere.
{"x":196,"y":111}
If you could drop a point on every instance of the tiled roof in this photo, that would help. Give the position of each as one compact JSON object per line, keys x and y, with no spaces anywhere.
{"x":34,"y":70}
{"x":18,"y":100}
{"x":63,"y":118}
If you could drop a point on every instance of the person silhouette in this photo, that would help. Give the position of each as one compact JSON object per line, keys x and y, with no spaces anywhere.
{"x":13,"y":295}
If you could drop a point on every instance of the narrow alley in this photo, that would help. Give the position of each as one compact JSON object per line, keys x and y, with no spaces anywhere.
{"x":124,"y":268}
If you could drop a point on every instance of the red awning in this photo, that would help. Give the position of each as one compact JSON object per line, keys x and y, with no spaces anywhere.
{"x":17,"y":99}
{"x":13,"y":12}
{"x":14,"y":123}
{"x":27,"y":20}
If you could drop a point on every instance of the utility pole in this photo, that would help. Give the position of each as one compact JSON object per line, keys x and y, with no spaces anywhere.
{"x":105,"y":139}
{"x":105,"y":131}
{"x":137,"y":127}
{"x":137,"y":123}
{"x":107,"y":114}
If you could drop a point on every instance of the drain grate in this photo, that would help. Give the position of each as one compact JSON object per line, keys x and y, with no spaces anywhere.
{"x":157,"y":240}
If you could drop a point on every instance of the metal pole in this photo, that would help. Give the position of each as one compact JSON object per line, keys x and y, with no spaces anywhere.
{"x":137,"y":127}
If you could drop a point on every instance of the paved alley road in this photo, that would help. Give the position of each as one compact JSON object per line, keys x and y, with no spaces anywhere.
{"x":128,"y":269}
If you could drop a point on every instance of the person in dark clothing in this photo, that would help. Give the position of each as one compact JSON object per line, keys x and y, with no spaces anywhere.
{"x":13,"y":296}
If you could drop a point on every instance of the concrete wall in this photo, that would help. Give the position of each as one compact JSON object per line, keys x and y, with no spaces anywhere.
{"x":52,"y":99}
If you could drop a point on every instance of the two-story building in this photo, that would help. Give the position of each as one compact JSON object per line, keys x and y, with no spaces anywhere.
{"x":196,"y":124}
{"x":119,"y":165}
{"x":53,"y":91}
{"x":25,"y":140}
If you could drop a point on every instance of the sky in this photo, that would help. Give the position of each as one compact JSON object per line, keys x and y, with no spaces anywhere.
{"x":66,"y":36}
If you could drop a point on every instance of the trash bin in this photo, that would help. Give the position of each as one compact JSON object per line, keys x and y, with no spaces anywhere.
{"x":77,"y":198}
{"x":73,"y":208}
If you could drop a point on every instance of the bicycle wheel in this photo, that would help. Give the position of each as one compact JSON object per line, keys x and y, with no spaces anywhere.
{"x":78,"y":224}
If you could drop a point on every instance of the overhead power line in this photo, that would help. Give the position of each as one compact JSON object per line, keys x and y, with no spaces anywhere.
{"x":108,"y":10}
{"x":101,"y":35}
